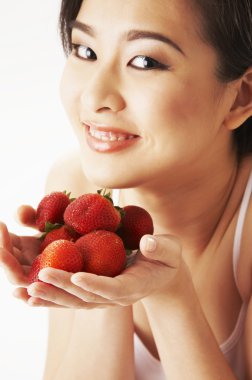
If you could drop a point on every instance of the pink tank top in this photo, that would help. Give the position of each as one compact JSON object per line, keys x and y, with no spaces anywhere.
{"x":149,"y":368}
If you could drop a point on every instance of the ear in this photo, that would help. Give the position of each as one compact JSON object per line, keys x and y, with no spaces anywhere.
{"x":241,"y":108}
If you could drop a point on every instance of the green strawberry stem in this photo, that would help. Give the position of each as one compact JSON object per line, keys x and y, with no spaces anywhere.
{"x":68,"y":195}
{"x":128,"y":252}
{"x":107,"y":195}
{"x":48,"y":228}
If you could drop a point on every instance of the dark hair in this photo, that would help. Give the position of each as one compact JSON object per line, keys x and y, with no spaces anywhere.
{"x":227,"y":26}
{"x":68,"y":12}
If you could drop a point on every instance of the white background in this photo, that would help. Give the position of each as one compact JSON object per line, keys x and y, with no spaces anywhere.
{"x":34,"y":132}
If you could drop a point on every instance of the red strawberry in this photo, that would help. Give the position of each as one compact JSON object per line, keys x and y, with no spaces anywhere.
{"x":62,"y":254}
{"x":51,"y":209}
{"x":35,"y":268}
{"x":135,"y":223}
{"x":58,"y":233}
{"x":104,"y":253}
{"x":92,"y":212}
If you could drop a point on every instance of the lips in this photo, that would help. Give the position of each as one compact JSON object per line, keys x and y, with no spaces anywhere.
{"x":108,"y":139}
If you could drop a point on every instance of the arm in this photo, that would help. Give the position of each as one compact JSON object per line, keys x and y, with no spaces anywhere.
{"x":90,"y":343}
{"x":60,"y":322}
{"x":97,"y":344}
{"x":185,"y":342}
{"x":161,"y":280}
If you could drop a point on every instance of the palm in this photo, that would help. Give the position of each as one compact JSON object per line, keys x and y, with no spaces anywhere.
{"x":17,"y":254}
{"x":25,"y":248}
{"x":136,"y":282}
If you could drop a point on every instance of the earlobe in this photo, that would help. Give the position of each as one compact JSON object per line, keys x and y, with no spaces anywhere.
{"x":241,"y":109}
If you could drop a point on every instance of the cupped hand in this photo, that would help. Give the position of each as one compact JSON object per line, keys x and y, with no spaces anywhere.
{"x":18,"y":252}
{"x":155,"y":272}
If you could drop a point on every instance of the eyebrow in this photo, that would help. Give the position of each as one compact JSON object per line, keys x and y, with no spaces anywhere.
{"x":132,"y":35}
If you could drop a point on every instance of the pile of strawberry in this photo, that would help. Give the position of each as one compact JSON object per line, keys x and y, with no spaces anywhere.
{"x":87,"y":234}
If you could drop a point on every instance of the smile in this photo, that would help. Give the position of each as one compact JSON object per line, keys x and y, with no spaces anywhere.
{"x":109,"y":135}
{"x":108,"y":139}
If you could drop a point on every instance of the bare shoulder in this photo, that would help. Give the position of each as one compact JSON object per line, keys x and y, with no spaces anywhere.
{"x":67,"y":174}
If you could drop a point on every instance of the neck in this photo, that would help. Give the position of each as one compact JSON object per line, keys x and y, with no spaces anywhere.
{"x":188,"y":205}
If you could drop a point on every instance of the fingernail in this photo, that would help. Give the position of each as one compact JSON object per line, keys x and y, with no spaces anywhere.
{"x":34,"y":291}
{"x":150,"y":244}
{"x":46,"y":277}
{"x":77,"y":280}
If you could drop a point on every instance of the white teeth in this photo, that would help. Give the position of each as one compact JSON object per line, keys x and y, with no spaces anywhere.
{"x":105,"y":138}
{"x":109,"y":136}
{"x":121,"y":138}
{"x":112,"y":136}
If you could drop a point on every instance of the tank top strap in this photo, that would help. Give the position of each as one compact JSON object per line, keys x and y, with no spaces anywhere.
{"x":240,"y":224}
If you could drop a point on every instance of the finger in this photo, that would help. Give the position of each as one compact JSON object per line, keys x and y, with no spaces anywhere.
{"x":39,"y":302}
{"x":19,"y":256}
{"x":109,"y":288}
{"x":15,"y":273}
{"x":26,"y":215}
{"x":15,"y":241}
{"x":58,"y":297}
{"x":9,"y":240}
{"x":29,"y":249}
{"x":52,"y":294}
{"x":21,"y":294}
{"x":5,"y":241}
{"x":62,"y":280}
{"x":165,"y":249}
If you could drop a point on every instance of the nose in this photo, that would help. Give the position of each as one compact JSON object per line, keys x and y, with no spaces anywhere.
{"x":101,"y":91}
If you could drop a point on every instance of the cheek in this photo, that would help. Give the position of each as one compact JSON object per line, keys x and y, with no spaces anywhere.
{"x":69,"y":93}
{"x":180,"y":105}
{"x":183,"y":106}
{"x":172,"y":107}
{"x":175,"y":118}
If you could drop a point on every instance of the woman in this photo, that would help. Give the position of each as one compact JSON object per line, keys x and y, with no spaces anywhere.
{"x":160,"y":99}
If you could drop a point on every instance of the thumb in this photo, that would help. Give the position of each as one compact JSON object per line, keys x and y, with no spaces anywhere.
{"x":26,"y":216}
{"x":163,"y":248}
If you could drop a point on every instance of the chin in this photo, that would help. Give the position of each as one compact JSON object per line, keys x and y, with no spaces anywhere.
{"x":112,"y":173}
{"x":110,"y":179}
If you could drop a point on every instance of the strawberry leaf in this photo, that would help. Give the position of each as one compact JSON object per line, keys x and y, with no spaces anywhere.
{"x":51,"y":226}
{"x":121,"y":211}
{"x":42,"y":236}
{"x":68,"y":194}
{"x":105,"y":194}
{"x":128,"y":252}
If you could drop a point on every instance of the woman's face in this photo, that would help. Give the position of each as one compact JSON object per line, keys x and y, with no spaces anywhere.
{"x":141,"y":92}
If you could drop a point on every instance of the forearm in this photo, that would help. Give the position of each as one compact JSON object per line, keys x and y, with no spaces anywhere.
{"x":186,"y":344}
{"x":101,"y":346}
{"x":59,"y":335}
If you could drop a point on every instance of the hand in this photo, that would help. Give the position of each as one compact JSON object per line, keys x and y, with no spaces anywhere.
{"x":157,"y":270}
{"x":18,"y":252}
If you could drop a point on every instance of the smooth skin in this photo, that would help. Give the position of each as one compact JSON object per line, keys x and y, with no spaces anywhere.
{"x":182,"y":168}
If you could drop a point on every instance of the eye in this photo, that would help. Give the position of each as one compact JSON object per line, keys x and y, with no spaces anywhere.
{"x":83,"y":52}
{"x":143,"y":62}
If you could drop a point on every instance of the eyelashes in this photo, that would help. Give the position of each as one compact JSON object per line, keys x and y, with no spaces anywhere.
{"x":83,"y":52}
{"x":142,"y":62}
{"x":139,"y":62}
